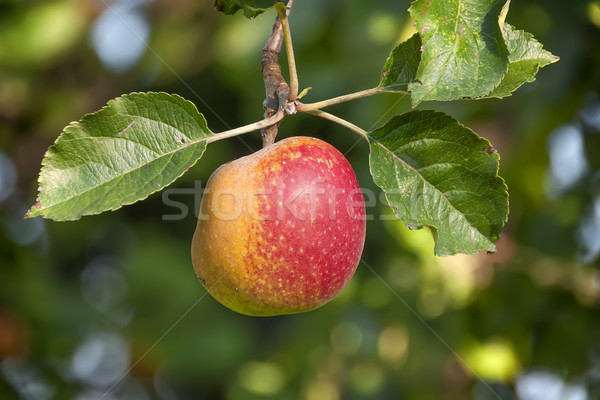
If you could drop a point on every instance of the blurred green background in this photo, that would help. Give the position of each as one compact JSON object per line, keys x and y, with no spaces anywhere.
{"x":109,"y":307}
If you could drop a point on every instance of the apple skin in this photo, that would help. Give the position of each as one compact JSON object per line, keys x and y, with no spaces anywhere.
{"x":280,"y":231}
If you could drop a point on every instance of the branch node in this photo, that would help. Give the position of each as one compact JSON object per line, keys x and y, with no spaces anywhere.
{"x":276,"y":88}
{"x":290,"y":108}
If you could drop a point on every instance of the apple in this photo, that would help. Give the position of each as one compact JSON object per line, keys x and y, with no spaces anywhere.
{"x":280,"y":231}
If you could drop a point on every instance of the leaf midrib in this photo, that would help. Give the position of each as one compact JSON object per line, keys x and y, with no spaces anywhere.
{"x":431,"y":185}
{"x":169,"y":153}
{"x":452,"y":52}
{"x":434,"y":140}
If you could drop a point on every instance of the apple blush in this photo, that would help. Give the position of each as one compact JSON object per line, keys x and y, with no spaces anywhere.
{"x":280,"y":231}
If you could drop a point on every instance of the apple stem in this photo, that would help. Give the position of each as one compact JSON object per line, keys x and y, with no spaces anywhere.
{"x":262,"y":124}
{"x":283,"y":12}
{"x":339,"y":121}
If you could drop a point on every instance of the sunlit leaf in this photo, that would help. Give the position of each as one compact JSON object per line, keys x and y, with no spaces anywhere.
{"x":439,"y":174}
{"x":464,"y":53}
{"x":138,"y":144}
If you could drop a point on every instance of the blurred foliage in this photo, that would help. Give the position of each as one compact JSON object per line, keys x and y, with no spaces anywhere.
{"x":109,"y":307}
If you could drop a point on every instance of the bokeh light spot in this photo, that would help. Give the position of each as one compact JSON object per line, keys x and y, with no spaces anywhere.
{"x":382,"y":28}
{"x":322,"y":390}
{"x":23,"y":231}
{"x":547,"y":385}
{"x":120,"y":35}
{"x":102,"y":285}
{"x":346,"y":338}
{"x":567,"y":159}
{"x":494,"y":360}
{"x":593,"y":13}
{"x":588,"y":233}
{"x":392,"y":344}
{"x":367,"y":378}
{"x":101,"y":360}
{"x":262,"y":378}
{"x":8,"y":176}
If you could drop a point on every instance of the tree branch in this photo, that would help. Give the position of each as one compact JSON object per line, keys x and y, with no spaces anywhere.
{"x":276,"y":88}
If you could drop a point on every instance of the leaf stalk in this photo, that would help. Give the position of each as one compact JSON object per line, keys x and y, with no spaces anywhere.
{"x":340,"y":121}
{"x":301,"y":107}
{"x":262,"y":124}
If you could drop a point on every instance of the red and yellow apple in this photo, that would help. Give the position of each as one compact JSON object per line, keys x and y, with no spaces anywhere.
{"x":280,"y":231}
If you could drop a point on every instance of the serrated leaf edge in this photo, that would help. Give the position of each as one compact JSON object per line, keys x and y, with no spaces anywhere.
{"x":501,"y":17}
{"x":39,"y":210}
{"x":433,"y":228}
{"x":529,"y":36}
{"x":389,"y":88}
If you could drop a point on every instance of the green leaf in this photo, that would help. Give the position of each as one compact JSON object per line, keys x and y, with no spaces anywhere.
{"x":251,"y":8}
{"x":401,"y":66}
{"x":464,"y":53}
{"x":136,"y":145}
{"x":526,"y":57}
{"x":439,"y":174}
